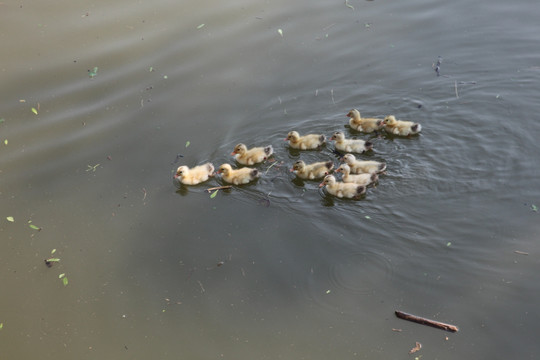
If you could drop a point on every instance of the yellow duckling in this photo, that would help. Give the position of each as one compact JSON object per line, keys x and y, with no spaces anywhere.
{"x":312,"y":171}
{"x":238,"y":176}
{"x":366,"y":125}
{"x":306,"y":142}
{"x":341,"y":189}
{"x":253,"y":155}
{"x":361,"y":179}
{"x":400,"y":127}
{"x":366,"y":166}
{"x":350,"y":145}
{"x":195,"y":175}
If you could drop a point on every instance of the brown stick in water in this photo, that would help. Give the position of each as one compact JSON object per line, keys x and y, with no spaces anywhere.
{"x":428,"y":322}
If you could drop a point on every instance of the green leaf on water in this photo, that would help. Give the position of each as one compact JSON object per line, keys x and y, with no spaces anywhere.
{"x":34,"y":111}
{"x":200,"y":26}
{"x":10,"y":219}
{"x":368,"y":217}
{"x":328,"y":291}
{"x":61,"y":275}
{"x":53,"y":251}
{"x":92,"y":73}
{"x":54,"y":260}
{"x":448,"y":243}
{"x":165,"y":77}
{"x":65,"y":281}
{"x":280,"y":32}
{"x":213,"y":195}
{"x":151,"y":69}
{"x":1,"y":326}
{"x":187,"y":143}
{"x":32,"y":226}
{"x":534,"y":208}
{"x":5,"y":141}
{"x":2,"y":120}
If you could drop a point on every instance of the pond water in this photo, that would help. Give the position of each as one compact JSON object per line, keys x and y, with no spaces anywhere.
{"x":100,"y":102}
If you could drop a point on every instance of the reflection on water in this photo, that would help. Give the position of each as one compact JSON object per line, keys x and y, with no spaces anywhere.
{"x":277,"y":268}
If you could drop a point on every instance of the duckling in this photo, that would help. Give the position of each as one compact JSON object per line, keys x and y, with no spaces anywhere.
{"x":367,"y":166}
{"x":238,"y":176}
{"x":253,"y":155}
{"x":312,"y":171}
{"x":195,"y":175}
{"x":341,"y":189}
{"x":361,"y":179}
{"x":306,"y":142}
{"x":350,"y":145}
{"x":400,"y":127}
{"x":366,"y":125}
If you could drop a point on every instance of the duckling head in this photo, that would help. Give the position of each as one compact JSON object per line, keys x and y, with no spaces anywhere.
{"x":344,"y":168}
{"x":299,"y":165}
{"x":338,"y":136}
{"x":292,"y":136}
{"x":239,"y":149}
{"x":328,"y":180}
{"x":348,"y":158}
{"x":181,"y":171}
{"x":225,"y":169}
{"x":389,"y":120}
{"x":353,"y":113}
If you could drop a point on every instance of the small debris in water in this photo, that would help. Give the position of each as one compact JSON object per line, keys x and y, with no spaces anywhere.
{"x":93,"y":73}
{"x":280,"y":32}
{"x":416,"y":348}
{"x":10,"y":219}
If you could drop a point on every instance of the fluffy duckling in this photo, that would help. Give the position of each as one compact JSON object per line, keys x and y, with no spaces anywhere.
{"x":350,"y":145}
{"x":361,"y":179}
{"x":312,"y":171}
{"x":366,"y":125}
{"x":400,"y":127}
{"x":238,"y":176}
{"x":306,"y":142}
{"x":253,"y":155}
{"x":366,"y":166}
{"x":341,"y":189}
{"x":195,"y":175}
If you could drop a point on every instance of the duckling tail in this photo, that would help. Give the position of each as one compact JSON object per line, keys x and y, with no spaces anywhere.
{"x":416,"y":128}
{"x":360,"y":190}
{"x":382,"y":167}
{"x":254,"y":173}
{"x":329,"y":165}
{"x":368,"y":145}
{"x":269,"y":150}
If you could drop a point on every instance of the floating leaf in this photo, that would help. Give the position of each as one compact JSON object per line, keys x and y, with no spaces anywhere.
{"x":5,"y":141}
{"x":328,"y":291}
{"x":200,"y":26}
{"x":213,"y":195}
{"x":280,"y":32}
{"x":32,"y":226}
{"x":92,"y":73}
{"x":61,"y":275}
{"x":54,"y":260}
{"x":165,"y":77}
{"x":1,"y":326}
{"x":65,"y":281}
{"x":534,"y":208}
{"x":151,"y":69}
{"x":10,"y":219}
{"x":187,"y":143}
{"x":34,"y":111}
{"x":368,"y":217}
{"x":53,"y":251}
{"x":2,"y":120}
{"x":448,"y":243}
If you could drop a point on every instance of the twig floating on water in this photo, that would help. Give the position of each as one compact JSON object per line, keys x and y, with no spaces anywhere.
{"x":417,"y":347}
{"x":428,"y":322}
{"x":455,"y":88}
{"x":332,"y":93}
{"x":218,"y":188}
{"x":349,"y":5}
{"x":521,"y":252}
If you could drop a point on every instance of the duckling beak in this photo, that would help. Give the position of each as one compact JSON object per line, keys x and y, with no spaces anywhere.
{"x":321,"y":184}
{"x":233,"y":153}
{"x":286,"y":139}
{"x":292,"y":170}
{"x":175,"y":176}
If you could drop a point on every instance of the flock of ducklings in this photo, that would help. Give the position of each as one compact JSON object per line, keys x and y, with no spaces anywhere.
{"x":356,"y":174}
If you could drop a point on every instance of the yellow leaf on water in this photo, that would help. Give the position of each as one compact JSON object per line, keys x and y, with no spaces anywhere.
{"x":10,"y":219}
{"x":280,"y":32}
{"x":34,"y":111}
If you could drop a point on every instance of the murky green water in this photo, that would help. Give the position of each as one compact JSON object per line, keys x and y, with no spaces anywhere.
{"x":274,"y":269}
